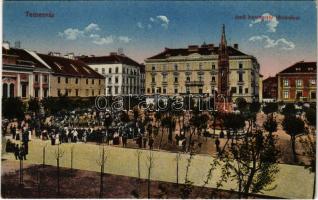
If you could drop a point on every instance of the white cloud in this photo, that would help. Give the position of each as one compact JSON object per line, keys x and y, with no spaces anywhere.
{"x":103,"y":40}
{"x":139,"y":25}
{"x":92,"y":27}
{"x":163,"y":20}
{"x":151,"y":19}
{"x":124,"y":39}
{"x":270,"y":20}
{"x":270,"y":43}
{"x":71,"y":34}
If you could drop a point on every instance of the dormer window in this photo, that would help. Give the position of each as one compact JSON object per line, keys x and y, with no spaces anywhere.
{"x":298,"y":69}
{"x":176,"y":67}
{"x":213,"y":66}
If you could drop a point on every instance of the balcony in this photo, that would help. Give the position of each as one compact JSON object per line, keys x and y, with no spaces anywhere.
{"x":194,"y":83}
{"x":188,"y":73}
{"x":214,"y":72}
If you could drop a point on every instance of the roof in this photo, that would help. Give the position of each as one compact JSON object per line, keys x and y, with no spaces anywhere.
{"x":24,"y":57}
{"x":69,"y":67}
{"x":203,"y":50}
{"x":270,"y":79}
{"x":110,"y":59}
{"x":301,"y":67}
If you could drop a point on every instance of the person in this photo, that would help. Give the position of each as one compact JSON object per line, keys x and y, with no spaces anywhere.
{"x":144,"y":141}
{"x":124,"y":139}
{"x":22,"y":153}
{"x":184,"y":142}
{"x":150,"y":143}
{"x":217,"y":144}
{"x":16,"y":151}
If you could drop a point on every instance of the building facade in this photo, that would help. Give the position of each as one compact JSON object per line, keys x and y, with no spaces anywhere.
{"x":29,"y":74}
{"x":123,"y":75}
{"x":270,"y":89}
{"x":204,"y":69}
{"x":22,"y":76}
{"x":298,"y":82}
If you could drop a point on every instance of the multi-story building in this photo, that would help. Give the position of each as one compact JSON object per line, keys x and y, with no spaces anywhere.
{"x":204,"y":69}
{"x":270,"y":89}
{"x":142,"y":79}
{"x":29,"y":74}
{"x":22,"y":75}
{"x":122,"y":74}
{"x":298,"y":82}
{"x":72,"y":77}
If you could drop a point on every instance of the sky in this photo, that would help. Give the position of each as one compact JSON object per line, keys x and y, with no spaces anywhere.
{"x":144,"y":28}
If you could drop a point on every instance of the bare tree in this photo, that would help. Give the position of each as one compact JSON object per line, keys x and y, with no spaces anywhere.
{"x":150,"y":163}
{"x":101,"y":161}
{"x":58,"y":155}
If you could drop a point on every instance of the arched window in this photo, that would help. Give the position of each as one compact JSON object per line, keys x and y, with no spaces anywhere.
{"x":5,"y":90}
{"x":11,"y":90}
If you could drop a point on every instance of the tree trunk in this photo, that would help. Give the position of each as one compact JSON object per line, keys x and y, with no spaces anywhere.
{"x":58,"y":176}
{"x":148,"y":187}
{"x":43,"y":156}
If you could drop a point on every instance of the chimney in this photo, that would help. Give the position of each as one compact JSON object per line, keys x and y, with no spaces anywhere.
{"x":235,"y":46}
{"x":6,"y":45}
{"x":113,"y":53}
{"x":58,"y":54}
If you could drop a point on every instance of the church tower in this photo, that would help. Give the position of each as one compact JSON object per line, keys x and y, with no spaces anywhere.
{"x":223,"y":62}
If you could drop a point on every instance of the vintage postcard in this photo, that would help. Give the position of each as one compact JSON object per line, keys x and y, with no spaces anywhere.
{"x":159,"y":99}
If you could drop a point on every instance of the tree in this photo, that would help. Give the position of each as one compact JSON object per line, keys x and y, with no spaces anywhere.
{"x":58,"y":155}
{"x":150,"y":164}
{"x":311,"y":117}
{"x":293,"y":126}
{"x":101,"y":161}
{"x":289,"y":109}
{"x":251,"y":162}
{"x":12,"y":108}
{"x":270,"y":125}
{"x":270,"y":108}
{"x":34,"y":105}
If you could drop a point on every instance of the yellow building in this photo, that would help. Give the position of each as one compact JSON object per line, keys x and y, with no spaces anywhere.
{"x":195,"y":70}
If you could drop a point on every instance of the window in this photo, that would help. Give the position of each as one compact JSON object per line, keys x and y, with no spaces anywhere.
{"x":45,"y":92}
{"x":299,"y":83}
{"x":86,"y":81}
{"x":36,"y":92}
{"x":99,"y":82}
{"x":93,"y":81}
{"x":176,"y":67}
{"x":93,"y":93}
{"x":103,"y":70}
{"x":153,"y":79}
{"x":66,"y":80}
{"x":299,"y":94}
{"x":164,"y":90}
{"x":233,"y":90}
{"x":176,"y":79}
{"x":76,"y":92}
{"x":110,"y":80}
{"x":213,"y":66}
{"x":116,"y":79}
{"x":116,"y":70}
{"x":188,"y":79}
{"x":240,"y":77}
{"x":36,"y":78}
{"x":312,"y":82}
{"x":187,"y":90}
{"x":45,"y":79}
{"x":188,"y":67}
{"x":313,"y":95}
{"x":175,"y":90}
{"x":110,"y":70}
{"x":153,"y":90}
{"x":286,"y":82}
{"x":240,"y":66}
{"x":148,"y":90}
{"x":159,"y":90}
{"x":164,"y":78}
{"x":76,"y":81}
{"x":87,"y":91}
{"x":66,"y":92}
{"x":240,"y":90}
{"x":153,"y":68}
{"x":200,"y":90}
{"x":213,"y":79}
{"x":200,"y":66}
{"x":110,"y":90}
{"x":286,"y":94}
{"x":24,"y":90}
{"x":58,"y":92}
{"x":200,"y":78}
{"x":59,"y":79}
{"x":246,"y":90}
